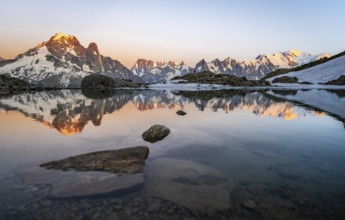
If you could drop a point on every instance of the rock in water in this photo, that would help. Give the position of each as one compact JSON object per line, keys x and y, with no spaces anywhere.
{"x":123,"y":161}
{"x":180,"y":112}
{"x":197,"y":187}
{"x":155,"y":133}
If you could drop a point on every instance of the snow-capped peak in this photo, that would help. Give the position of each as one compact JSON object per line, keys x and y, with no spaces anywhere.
{"x":62,"y":62}
{"x":261,"y":65}
{"x":159,"y":71}
{"x":294,"y":52}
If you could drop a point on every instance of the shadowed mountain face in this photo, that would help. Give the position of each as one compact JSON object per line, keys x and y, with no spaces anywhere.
{"x":70,"y":111}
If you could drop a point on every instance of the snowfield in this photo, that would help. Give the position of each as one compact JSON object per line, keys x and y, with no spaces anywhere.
{"x":319,"y":74}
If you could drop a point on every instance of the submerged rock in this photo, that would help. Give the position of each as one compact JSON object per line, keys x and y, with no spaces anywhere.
{"x":194,"y":186}
{"x":180,"y":112}
{"x":156,"y":133}
{"x":123,"y":161}
{"x":75,"y":184}
{"x":80,"y":184}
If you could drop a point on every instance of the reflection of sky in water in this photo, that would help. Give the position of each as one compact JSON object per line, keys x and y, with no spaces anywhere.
{"x":246,"y":135}
{"x":213,"y":119}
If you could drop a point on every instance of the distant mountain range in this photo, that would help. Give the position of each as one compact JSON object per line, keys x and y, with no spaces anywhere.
{"x":62,"y":62}
{"x":156,"y":72}
{"x":260,"y":66}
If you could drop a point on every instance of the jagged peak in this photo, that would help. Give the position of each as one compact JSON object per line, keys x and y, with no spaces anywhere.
{"x":215,"y":61}
{"x":172,"y":63}
{"x":202,"y":61}
{"x":62,"y":35}
{"x":93,"y":47}
{"x":62,"y":38}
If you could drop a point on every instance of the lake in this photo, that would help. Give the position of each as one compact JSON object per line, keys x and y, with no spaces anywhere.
{"x":236,"y":154}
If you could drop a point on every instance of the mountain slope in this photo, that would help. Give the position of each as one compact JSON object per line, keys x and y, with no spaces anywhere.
{"x":321,"y":73}
{"x":63,"y":62}
{"x":156,"y":72}
{"x":260,"y":66}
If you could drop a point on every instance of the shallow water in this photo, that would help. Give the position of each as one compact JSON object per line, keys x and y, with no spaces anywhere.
{"x":237,"y":154}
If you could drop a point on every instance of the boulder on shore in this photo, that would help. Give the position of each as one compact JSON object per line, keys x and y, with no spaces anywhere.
{"x":156,"y":133}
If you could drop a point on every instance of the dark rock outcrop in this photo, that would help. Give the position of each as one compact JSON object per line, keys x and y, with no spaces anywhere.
{"x":156,"y":133}
{"x":339,"y":81}
{"x":101,"y":82}
{"x":285,"y":79}
{"x":220,"y":79}
{"x":10,"y":85}
{"x":123,"y":161}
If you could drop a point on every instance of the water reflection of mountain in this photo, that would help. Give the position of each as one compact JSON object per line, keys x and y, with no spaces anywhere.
{"x":68,"y":111}
{"x":331,"y":101}
{"x":256,"y":102}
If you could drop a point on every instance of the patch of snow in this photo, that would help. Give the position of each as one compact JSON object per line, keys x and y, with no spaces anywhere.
{"x":86,"y":68}
{"x":321,"y":73}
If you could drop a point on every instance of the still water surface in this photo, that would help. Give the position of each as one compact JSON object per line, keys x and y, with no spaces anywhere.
{"x":237,"y":154}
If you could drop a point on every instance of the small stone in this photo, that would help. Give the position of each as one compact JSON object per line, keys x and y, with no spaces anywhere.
{"x":135,"y":210}
{"x":211,"y":212}
{"x":171,"y":211}
{"x":113,"y":216}
{"x":96,"y":216}
{"x":180,"y":112}
{"x":249,"y":204}
{"x":154,"y":207}
{"x":118,"y":207}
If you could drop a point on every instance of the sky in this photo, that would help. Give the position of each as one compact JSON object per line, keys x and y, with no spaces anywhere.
{"x":188,"y":30}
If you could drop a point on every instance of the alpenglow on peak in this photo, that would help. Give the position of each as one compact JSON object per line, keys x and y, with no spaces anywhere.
{"x":61,"y":35}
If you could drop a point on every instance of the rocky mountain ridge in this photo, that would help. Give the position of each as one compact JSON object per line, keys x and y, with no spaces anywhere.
{"x":159,"y":71}
{"x":63,"y":62}
{"x":260,"y":66}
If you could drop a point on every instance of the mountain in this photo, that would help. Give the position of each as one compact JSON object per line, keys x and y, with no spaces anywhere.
{"x":325,"y":73}
{"x":260,"y":66}
{"x":62,"y":62}
{"x":156,"y":72}
{"x":1,"y":59}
